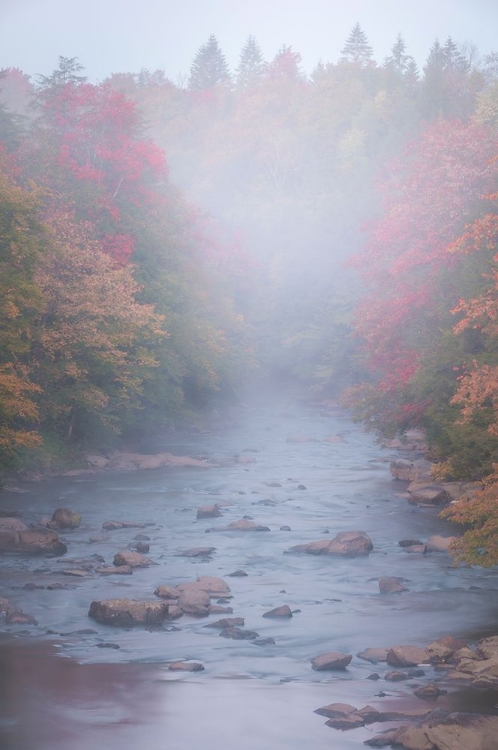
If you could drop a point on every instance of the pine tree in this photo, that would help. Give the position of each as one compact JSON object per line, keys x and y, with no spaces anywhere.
{"x":398,"y":61}
{"x":209,"y":68}
{"x":251,"y":65}
{"x":357,"y":49}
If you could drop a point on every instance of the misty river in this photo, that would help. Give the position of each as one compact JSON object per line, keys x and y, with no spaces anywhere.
{"x":67,"y":692}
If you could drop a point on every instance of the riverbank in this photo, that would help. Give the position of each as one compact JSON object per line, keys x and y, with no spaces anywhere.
{"x":309,"y":476}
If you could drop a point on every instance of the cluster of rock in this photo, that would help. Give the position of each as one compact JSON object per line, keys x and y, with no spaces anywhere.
{"x":16,"y":536}
{"x":422,"y":490}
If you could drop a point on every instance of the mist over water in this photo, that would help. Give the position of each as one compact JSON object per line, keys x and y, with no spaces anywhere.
{"x":66,"y":692}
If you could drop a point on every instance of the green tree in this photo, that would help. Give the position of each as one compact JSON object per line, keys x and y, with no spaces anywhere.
{"x":357,"y":49}
{"x":209,"y":68}
{"x":251,"y":65}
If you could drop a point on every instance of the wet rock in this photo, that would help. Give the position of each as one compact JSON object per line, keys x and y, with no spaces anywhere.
{"x":443,"y":649}
{"x":12,"y":523}
{"x":411,"y":471}
{"x":410,"y":542}
{"x":429,"y":692}
{"x":333,"y":710}
{"x":391,"y":585}
{"x":383,"y":739}
{"x":374,"y":655}
{"x":10,"y":615}
{"x":197,"y":552}
{"x":285,"y":528}
{"x":194,"y":602}
{"x":237,"y":574}
{"x":107,"y":645}
{"x":141,"y":538}
{"x":406,"y":656}
{"x":66,"y":518}
{"x":208,"y":511}
{"x":439,"y":543}
{"x":272,"y":484}
{"x":113,"y":525}
{"x":242,"y":524}
{"x":374,"y":676}
{"x":238,"y":634}
{"x":351,"y":721}
{"x":396,"y":676}
{"x":174,"y":612}
{"x":186,"y":666}
{"x":114,"y":570}
{"x":331,"y":660}
{"x":216,"y":609}
{"x":264,"y":641}
{"x":348,"y":543}
{"x":128,"y":612}
{"x":133,"y":559}
{"x":301,"y":487}
{"x":226,"y":622}
{"x":167,"y":592}
{"x":410,"y":714}
{"x":210,"y":584}
{"x":487,"y":648}
{"x":32,"y":542}
{"x":458,"y":731}
{"x":75,"y":572}
{"x":283,"y":612}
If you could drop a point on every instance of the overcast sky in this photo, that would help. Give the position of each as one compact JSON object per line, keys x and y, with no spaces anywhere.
{"x":112,"y":36}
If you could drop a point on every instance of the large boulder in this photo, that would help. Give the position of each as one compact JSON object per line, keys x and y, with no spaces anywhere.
{"x":331,"y":660}
{"x":66,"y":518}
{"x":348,"y":543}
{"x":128,"y":612}
{"x":32,"y":542}
{"x":427,"y":494}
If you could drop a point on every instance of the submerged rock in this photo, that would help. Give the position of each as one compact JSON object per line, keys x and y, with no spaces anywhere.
{"x":242,"y":524}
{"x":197,"y":552}
{"x":113,"y":525}
{"x":391,"y":585}
{"x":208,"y":511}
{"x":186,"y":666}
{"x":283,"y":612}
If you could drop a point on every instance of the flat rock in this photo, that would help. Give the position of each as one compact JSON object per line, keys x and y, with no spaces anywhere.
{"x":283,"y":612}
{"x":197,"y":552}
{"x":406,"y":656}
{"x":427,"y":494}
{"x":226,"y":622}
{"x":217,"y":609}
{"x":113,"y":525}
{"x":352,"y":721}
{"x":114,"y":570}
{"x":332,"y":710}
{"x":243,"y":524}
{"x":128,"y":612}
{"x":133,"y":559}
{"x":186,"y":666}
{"x":331,"y":660}
{"x":237,"y":574}
{"x":210,"y":584}
{"x":238,"y":634}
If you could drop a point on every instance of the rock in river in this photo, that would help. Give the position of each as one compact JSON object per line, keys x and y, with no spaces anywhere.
{"x":282,"y":612}
{"x":331,"y":660}
{"x":133,"y":559}
{"x":208,"y":511}
{"x":406,"y":656}
{"x":349,"y":543}
{"x":32,"y":542}
{"x":66,"y":518}
{"x":128,"y":612}
{"x":243,"y":524}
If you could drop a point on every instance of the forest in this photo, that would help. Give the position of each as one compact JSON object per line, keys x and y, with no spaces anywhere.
{"x":166,"y":245}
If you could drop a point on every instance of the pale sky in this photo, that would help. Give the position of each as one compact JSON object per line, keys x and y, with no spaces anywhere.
{"x":115,"y":36}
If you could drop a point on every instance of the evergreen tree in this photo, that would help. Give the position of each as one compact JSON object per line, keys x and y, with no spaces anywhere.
{"x":398,"y":61}
{"x":357,"y":49}
{"x":209,"y":68}
{"x":251,"y":65}
{"x":67,"y":72}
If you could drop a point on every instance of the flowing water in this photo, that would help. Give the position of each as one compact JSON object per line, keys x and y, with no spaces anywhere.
{"x":62,"y":690}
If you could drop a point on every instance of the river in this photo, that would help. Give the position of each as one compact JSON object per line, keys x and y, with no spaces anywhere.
{"x":68,"y":692}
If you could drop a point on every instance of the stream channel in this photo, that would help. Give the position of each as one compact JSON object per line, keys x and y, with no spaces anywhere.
{"x":67,"y":692}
